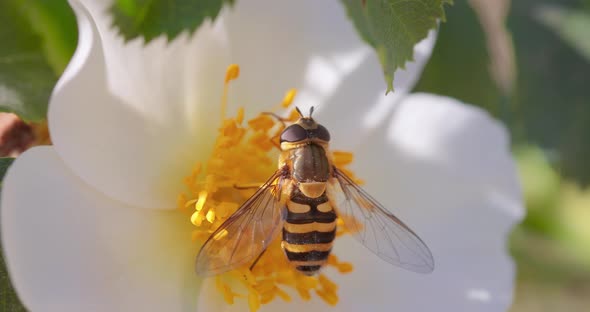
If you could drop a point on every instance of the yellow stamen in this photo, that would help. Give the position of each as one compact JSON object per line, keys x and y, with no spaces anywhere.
{"x":293,"y":116}
{"x":283,"y":294}
{"x":326,"y":283}
{"x":210,"y":216}
{"x":342,"y":158}
{"x":254,"y":300}
{"x":330,"y":297}
{"x":288,"y":99}
{"x":240,"y":117}
{"x":244,"y":154}
{"x":224,"y":288}
{"x":262,"y":123}
{"x":232,"y":73}
{"x":345,"y":267}
{"x":201,"y":201}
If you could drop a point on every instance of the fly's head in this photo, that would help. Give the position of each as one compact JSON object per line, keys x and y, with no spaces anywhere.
{"x":305,"y":130}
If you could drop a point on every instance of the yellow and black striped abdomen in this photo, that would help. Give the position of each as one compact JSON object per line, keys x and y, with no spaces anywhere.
{"x":308,"y":232}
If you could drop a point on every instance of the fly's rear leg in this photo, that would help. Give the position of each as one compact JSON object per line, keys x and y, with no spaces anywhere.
{"x":257,"y":258}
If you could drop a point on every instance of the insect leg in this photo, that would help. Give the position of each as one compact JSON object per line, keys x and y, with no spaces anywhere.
{"x":275,"y":139}
{"x":257,"y":258}
{"x":277,"y":117}
{"x":248,"y":186}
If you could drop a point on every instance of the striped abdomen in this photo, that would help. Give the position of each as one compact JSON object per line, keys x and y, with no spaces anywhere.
{"x":308,"y":231}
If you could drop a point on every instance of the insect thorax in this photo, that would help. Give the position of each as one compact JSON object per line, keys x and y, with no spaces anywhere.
{"x":311,"y":169}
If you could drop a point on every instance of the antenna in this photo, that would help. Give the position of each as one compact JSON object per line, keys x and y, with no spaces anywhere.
{"x":310,"y":111}
{"x":299,"y":111}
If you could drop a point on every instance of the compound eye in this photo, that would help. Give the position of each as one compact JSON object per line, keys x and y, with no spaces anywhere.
{"x":322,"y":133}
{"x":293,"y":133}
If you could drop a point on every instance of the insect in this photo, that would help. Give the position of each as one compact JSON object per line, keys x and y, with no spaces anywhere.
{"x":302,"y":199}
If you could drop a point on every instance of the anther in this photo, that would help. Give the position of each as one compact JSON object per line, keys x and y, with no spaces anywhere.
{"x":232,"y":72}
{"x":299,"y":111}
{"x":288,"y":99}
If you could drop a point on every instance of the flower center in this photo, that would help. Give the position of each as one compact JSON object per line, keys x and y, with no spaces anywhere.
{"x":244,"y":156}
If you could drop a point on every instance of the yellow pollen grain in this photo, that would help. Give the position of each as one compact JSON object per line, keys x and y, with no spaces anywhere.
{"x":210,"y":189}
{"x":304,"y":293}
{"x":201,"y":201}
{"x":345,"y":267}
{"x":342,"y":158}
{"x":253,"y":300}
{"x":283,"y":294}
{"x":232,"y":72}
{"x":330,"y":297}
{"x":265,"y":286}
{"x":293,"y":116}
{"x":288,"y":99}
{"x":188,"y":203}
{"x":342,"y":267}
{"x":210,"y":215}
{"x":267,"y":297}
{"x":326,"y":283}
{"x":240,"y":117}
{"x":262,"y":122}
{"x":226,"y":291}
{"x":197,"y":218}
{"x":262,"y":140}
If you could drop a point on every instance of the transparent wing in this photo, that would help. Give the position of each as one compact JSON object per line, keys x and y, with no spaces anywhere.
{"x":378,"y":229}
{"x":246,"y":233}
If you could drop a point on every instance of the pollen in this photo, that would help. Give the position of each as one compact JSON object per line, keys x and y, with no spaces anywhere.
{"x":244,"y":155}
{"x":232,"y":73}
{"x":288,"y":99}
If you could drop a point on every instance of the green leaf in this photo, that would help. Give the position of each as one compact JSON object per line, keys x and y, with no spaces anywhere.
{"x":393,"y":27}
{"x":548,"y":107}
{"x":552,"y":94}
{"x":152,"y":18}
{"x":459,"y":65}
{"x":37,"y":39}
{"x":55,"y":23}
{"x":26,"y":79}
{"x":570,"y":24}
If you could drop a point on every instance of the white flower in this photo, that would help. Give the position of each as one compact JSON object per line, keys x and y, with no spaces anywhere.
{"x":86,"y":224}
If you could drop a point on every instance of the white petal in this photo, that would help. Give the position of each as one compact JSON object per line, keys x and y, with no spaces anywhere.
{"x":459,"y":138}
{"x":165,"y":79}
{"x":131,"y":139}
{"x":445,"y":169}
{"x":316,"y":49}
{"x":69,"y":248}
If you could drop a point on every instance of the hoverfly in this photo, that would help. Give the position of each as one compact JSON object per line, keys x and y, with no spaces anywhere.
{"x":302,"y":199}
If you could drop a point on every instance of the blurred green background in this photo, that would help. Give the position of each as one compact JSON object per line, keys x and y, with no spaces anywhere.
{"x":527,"y":62}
